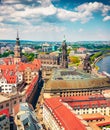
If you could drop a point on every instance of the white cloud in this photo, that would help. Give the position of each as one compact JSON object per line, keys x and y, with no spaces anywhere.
{"x":83,"y":12}
{"x":93,"y":7}
{"x":106,"y":18}
{"x":19,"y":6}
{"x":39,"y":11}
{"x":20,"y":13}
{"x":74,"y":16}
{"x":80,"y":30}
{"x":10,"y":1}
{"x":66,"y":15}
{"x":46,"y":28}
{"x":1,"y":19}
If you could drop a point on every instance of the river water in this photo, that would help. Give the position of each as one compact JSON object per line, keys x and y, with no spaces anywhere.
{"x":104,"y":64}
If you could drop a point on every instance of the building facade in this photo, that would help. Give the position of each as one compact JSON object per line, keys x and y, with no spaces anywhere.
{"x":89,"y":104}
{"x":87,"y":112}
{"x":8,"y":101}
{"x":71,"y":82}
{"x":9,"y":79}
{"x":57,"y":115}
{"x":49,"y":60}
{"x":55,"y":61}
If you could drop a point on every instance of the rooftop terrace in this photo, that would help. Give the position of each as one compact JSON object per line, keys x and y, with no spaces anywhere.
{"x":70,"y":74}
{"x":74,"y":79}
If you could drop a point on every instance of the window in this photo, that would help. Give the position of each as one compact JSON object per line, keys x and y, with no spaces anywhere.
{"x":1,"y":106}
{"x":7,"y":104}
{"x":14,"y":102}
{"x":20,"y":100}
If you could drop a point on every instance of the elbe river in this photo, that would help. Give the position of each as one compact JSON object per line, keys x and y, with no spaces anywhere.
{"x":104,"y":64}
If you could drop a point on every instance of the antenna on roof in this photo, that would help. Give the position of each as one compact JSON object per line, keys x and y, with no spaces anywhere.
{"x":17,"y":33}
{"x":64,"y":37}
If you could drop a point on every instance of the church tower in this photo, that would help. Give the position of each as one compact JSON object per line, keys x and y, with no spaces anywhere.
{"x":64,"y":54}
{"x":17,"y":50}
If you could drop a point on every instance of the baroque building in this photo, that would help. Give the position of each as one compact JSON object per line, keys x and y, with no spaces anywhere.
{"x":52,"y":60}
{"x":17,"y":51}
{"x":71,"y":82}
{"x":87,"y":113}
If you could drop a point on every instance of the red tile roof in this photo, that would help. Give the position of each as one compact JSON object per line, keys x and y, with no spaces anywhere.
{"x":103,"y":123}
{"x":66,"y":118}
{"x":96,"y":116}
{"x":10,"y":76}
{"x":8,"y":71}
{"x":5,"y":111}
{"x":87,"y":101}
{"x":8,"y":60}
{"x":81,"y":49}
{"x":36,"y":64}
{"x":31,"y":86}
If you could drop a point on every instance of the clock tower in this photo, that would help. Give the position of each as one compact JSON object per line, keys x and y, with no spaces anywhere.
{"x":17,"y":50}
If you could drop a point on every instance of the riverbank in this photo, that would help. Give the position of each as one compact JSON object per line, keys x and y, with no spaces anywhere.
{"x":101,"y":57}
{"x":104,"y":64}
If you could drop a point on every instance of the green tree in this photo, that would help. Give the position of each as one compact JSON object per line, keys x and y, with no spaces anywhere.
{"x":29,"y":56}
{"x":74,"y":59}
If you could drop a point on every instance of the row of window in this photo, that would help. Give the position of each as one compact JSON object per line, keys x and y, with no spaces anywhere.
{"x":93,"y":111}
{"x":93,"y":106}
{"x":7,"y":104}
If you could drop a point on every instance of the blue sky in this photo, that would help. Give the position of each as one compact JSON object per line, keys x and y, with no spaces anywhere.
{"x":50,"y":20}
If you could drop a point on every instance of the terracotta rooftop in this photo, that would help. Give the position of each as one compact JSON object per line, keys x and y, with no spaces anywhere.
{"x":36,"y":64}
{"x":95,"y":116}
{"x":4,"y":112}
{"x":63,"y":115}
{"x":31,"y":86}
{"x":78,"y":102}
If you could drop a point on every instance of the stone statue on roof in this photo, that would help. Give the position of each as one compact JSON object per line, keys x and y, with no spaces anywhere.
{"x":86,"y":64}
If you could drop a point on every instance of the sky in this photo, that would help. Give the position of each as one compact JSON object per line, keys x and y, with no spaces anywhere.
{"x":50,"y":20}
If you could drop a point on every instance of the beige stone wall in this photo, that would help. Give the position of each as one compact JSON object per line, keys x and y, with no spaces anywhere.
{"x":68,"y":93}
{"x":11,"y":102}
{"x":101,"y":110}
{"x":48,"y":59}
{"x":49,"y":120}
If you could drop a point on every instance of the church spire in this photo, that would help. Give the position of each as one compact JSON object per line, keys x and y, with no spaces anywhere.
{"x":64,"y":54}
{"x":17,"y":50}
{"x":64,"y":38}
{"x":17,"y":39}
{"x":17,"y":33}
